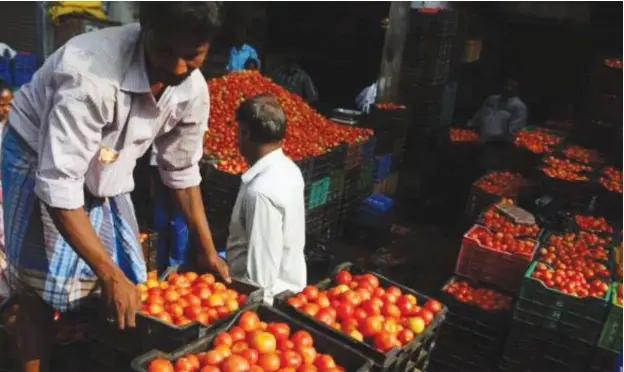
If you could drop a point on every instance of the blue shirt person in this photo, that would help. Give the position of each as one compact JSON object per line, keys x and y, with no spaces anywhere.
{"x":240,"y":52}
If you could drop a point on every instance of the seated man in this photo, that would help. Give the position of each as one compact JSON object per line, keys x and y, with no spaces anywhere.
{"x":267,"y":229}
{"x":497,"y":121}
{"x":292,"y":77}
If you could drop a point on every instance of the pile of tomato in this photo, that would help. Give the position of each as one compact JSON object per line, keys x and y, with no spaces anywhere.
{"x":385,"y":318}
{"x":189,"y":297}
{"x":502,"y":242}
{"x":571,"y":282}
{"x":564,"y":169}
{"x":308,"y":133}
{"x":538,"y":141}
{"x":389,"y":106}
{"x":593,"y":224}
{"x":611,"y":179}
{"x":496,"y":221}
{"x":581,"y":154}
{"x":254,"y":346}
{"x":568,"y":251}
{"x":463,"y":135}
{"x":500,"y":183}
{"x":484,"y":298}
{"x":618,"y":293}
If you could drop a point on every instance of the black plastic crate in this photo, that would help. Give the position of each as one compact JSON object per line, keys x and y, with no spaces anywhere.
{"x":152,"y":333}
{"x":315,"y":220}
{"x":325,"y":344}
{"x":383,"y":361}
{"x":526,"y":341}
{"x":604,"y":360}
{"x":325,"y":163}
{"x":306,"y":166}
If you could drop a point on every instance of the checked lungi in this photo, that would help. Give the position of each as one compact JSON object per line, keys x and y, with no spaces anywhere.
{"x":38,"y":257}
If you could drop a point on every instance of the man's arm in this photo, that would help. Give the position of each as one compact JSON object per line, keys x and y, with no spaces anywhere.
{"x":264,"y":227}
{"x":475,"y":122}
{"x":178,"y":153}
{"x":67,"y":143}
{"x":309,"y":89}
{"x":518,"y":119}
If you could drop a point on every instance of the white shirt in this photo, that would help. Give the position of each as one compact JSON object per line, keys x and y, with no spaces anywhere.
{"x":91,"y":99}
{"x":267,"y":229}
{"x":366,"y":97}
{"x":498,"y":118}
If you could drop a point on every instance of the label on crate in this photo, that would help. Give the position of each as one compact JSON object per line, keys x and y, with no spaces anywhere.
{"x":517,"y":214}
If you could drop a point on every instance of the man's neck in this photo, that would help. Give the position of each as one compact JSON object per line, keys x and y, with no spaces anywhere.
{"x":261,"y":152}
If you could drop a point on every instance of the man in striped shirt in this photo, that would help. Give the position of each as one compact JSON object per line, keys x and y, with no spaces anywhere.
{"x":292,"y":77}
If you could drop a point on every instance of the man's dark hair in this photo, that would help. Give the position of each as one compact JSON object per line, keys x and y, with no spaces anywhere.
{"x":251,"y":64}
{"x":4,"y":86}
{"x":187,"y":17}
{"x":263,"y":118}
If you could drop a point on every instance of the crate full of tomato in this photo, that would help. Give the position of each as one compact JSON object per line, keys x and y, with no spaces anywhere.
{"x":183,"y":305}
{"x":382,"y":320}
{"x":611,"y":337}
{"x":531,"y":144}
{"x":500,"y":218}
{"x":496,"y":258}
{"x":260,"y":339}
{"x":491,"y":188}
{"x":475,"y":327}
{"x":567,"y":301}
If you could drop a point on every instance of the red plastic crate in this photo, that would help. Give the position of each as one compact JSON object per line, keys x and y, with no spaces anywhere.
{"x":486,"y":265}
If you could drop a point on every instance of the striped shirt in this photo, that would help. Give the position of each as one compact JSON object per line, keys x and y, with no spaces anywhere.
{"x":89,"y":114}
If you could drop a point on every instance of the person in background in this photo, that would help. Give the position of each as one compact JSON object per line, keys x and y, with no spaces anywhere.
{"x":500,"y":117}
{"x":252,"y":64}
{"x":267,"y":229}
{"x":169,"y":222}
{"x":73,"y":137}
{"x":6,"y":96}
{"x":240,"y":51}
{"x":292,"y":77}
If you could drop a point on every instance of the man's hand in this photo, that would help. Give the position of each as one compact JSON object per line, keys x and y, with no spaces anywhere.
{"x":215,"y":264}
{"x":123,"y":299}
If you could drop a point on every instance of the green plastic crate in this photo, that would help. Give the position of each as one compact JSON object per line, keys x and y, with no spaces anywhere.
{"x":319,"y":191}
{"x":579,"y":318}
{"x":611,"y":336}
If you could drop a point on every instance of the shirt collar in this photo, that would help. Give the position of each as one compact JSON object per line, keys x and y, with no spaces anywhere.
{"x":261,"y":165}
{"x":135,"y":78}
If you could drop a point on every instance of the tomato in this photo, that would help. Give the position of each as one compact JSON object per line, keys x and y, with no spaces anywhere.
{"x":183,"y":365}
{"x":292,"y":359}
{"x":249,"y":321}
{"x":269,"y":362}
{"x":433,"y":305}
{"x":160,"y":365}
{"x":302,"y":338}
{"x":405,"y":336}
{"x":371,"y":326}
{"x":308,"y":353}
{"x":384,"y":341}
{"x":345,"y":310}
{"x":239,"y":347}
{"x":237,"y":334}
{"x":235,"y":363}
{"x":311,"y":292}
{"x":264,"y":342}
{"x":343,"y":277}
{"x":279,"y":330}
{"x":251,"y":355}
{"x":324,"y":362}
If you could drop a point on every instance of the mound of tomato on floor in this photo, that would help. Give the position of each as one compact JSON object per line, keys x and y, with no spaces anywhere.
{"x":254,"y":346}
{"x":385,"y":318}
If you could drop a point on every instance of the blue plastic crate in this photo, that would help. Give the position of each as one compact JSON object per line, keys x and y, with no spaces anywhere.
{"x":5,"y":71}
{"x":383,"y":164}
{"x":375,"y":211}
{"x":24,"y":67}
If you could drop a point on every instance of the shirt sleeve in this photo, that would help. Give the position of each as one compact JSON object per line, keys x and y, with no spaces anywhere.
{"x":263,"y":224}
{"x":70,"y":136}
{"x":179,"y":151}
{"x":518,"y":118}
{"x":311,"y":94}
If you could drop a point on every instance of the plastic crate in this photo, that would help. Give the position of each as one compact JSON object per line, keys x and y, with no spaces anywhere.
{"x":353,"y":157}
{"x":315,"y":220}
{"x":604,"y":360}
{"x":611,"y":336}
{"x":153,"y":333}
{"x":325,"y":344}
{"x":383,"y":164}
{"x":486,"y":265}
{"x":319,"y":191}
{"x":368,"y":149}
{"x":365,"y":179}
{"x":149,"y":246}
{"x":534,"y":348}
{"x":306,"y":166}
{"x":325,"y":163}
{"x":394,"y":360}
{"x":5,"y":71}
{"x":24,"y":67}
{"x":577,"y":318}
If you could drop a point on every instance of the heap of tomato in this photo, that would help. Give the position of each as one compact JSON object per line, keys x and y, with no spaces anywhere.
{"x":385,"y":318}
{"x":254,"y":346}
{"x":500,"y":183}
{"x":538,"y":140}
{"x":307,"y":132}
{"x":463,"y":135}
{"x":502,"y":242}
{"x":484,"y":298}
{"x":611,"y":179}
{"x":593,"y":224}
{"x":565,"y":170}
{"x":581,"y":154}
{"x":496,"y":221}
{"x":571,"y":282}
{"x":186,"y":298}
